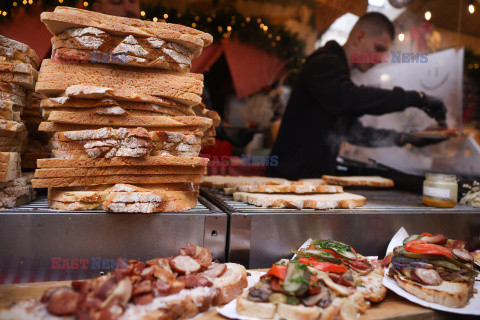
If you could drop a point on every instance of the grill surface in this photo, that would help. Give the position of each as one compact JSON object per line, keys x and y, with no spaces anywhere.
{"x":382,"y":201}
{"x":40,"y":205}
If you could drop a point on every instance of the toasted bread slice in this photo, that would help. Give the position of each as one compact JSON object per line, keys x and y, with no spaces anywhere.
{"x":55,"y":78}
{"x":127,"y":120}
{"x":107,"y":171}
{"x":449,"y":294}
{"x":58,"y":127}
{"x":96,"y":46}
{"x":307,"y":188}
{"x":113,"y":162}
{"x":315,"y":201}
{"x":63,"y":18}
{"x":220,"y":182}
{"x":17,"y":51}
{"x":360,"y":181}
{"x":79,"y":95}
{"x":111,"y":179}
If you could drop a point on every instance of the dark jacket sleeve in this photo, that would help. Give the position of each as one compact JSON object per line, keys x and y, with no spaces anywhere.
{"x":329,"y":82}
{"x":360,"y":135}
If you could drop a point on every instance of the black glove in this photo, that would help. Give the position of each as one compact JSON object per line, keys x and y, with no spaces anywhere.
{"x":416,"y":140}
{"x":434,"y":108}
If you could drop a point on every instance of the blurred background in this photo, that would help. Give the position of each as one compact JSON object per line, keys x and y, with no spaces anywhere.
{"x":261,"y":45}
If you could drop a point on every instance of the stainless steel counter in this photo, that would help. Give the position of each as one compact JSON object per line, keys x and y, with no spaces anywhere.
{"x":33,"y":238}
{"x":259,"y":236}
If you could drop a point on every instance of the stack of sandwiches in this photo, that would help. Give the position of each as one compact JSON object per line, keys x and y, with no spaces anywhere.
{"x":18,"y":74}
{"x":126,"y":130}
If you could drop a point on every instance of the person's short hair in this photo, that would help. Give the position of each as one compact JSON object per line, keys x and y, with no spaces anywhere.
{"x":375,"y":23}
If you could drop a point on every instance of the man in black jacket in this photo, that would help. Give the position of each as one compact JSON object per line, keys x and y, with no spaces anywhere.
{"x":325,"y":104}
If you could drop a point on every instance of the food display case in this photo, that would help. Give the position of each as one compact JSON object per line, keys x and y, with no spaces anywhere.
{"x":34,"y":237}
{"x":258,"y":236}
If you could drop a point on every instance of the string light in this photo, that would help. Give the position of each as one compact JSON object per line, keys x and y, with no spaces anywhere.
{"x":265,"y":28}
{"x":179,"y":15}
{"x":259,"y":20}
{"x":4,"y":13}
{"x":24,"y":2}
{"x":220,"y":29}
{"x":401,"y":36}
{"x":278,"y":38}
{"x":85,"y":4}
{"x":428,"y":15}
{"x":165,"y":16}
{"x":229,"y":28}
{"x":60,"y":1}
{"x":15,"y":3}
{"x":261,"y":26}
{"x":155,"y":19}
{"x":197,"y":18}
{"x":142,"y":13}
{"x":270,"y":36}
{"x":247,"y":19}
{"x":194,"y":25}
{"x":209,"y":19}
{"x":471,"y":8}
{"x":30,"y":1}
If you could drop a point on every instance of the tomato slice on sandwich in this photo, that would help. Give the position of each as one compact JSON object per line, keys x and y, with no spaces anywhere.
{"x":278,"y":270}
{"x":324,"y":266}
{"x":422,"y":247}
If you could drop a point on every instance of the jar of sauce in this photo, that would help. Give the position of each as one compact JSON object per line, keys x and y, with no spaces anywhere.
{"x":440,"y":190}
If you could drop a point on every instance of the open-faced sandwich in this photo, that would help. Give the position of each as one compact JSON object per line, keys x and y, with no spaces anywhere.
{"x":435,"y":269}
{"x":328,"y":280}
{"x":176,"y":287}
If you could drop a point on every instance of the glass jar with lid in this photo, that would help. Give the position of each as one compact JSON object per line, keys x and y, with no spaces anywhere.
{"x":440,"y":190}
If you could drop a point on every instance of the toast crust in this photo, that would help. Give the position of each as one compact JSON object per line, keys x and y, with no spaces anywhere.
{"x":449,"y":294}
{"x":360,"y":181}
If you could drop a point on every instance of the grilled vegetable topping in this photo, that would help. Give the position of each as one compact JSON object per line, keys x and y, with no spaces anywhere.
{"x":297,"y":279}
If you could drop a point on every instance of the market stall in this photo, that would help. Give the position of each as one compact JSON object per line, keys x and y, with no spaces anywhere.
{"x":216,"y":159}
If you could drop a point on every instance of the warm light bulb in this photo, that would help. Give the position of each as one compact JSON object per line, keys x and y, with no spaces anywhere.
{"x":265,"y":28}
{"x":14,"y":4}
{"x":471,"y":8}
{"x":142,"y":13}
{"x":4,"y":13}
{"x":428,"y":15}
{"x":401,"y":36}
{"x":229,"y":28}
{"x":194,"y":25}
{"x":30,"y":1}
{"x":165,"y":16}
{"x":85,"y":4}
{"x":155,"y":19}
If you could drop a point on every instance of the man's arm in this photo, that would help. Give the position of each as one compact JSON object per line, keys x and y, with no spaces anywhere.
{"x":329,"y":83}
{"x":360,"y":135}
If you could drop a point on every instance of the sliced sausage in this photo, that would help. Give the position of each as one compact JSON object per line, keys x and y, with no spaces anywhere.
{"x":143,"y":299}
{"x":215,"y":270}
{"x":462,"y":254}
{"x":439,"y":239}
{"x":428,"y":277}
{"x":143,"y":287}
{"x":62,"y":301}
{"x":203,"y":255}
{"x":194,"y":280}
{"x":185,"y":265}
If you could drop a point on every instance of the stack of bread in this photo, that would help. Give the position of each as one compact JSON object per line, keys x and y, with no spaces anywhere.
{"x":282,"y":193}
{"x":18,"y":74}
{"x":124,"y":114}
{"x":37,"y":144}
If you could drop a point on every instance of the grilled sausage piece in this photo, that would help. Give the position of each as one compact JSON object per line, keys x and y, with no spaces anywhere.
{"x":215,"y":270}
{"x":62,"y":301}
{"x":429,"y":277}
{"x":462,"y":254}
{"x":439,"y":239}
{"x":185,"y":264}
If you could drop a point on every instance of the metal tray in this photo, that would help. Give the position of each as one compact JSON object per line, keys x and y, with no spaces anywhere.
{"x":259,"y":236}
{"x":34,"y":237}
